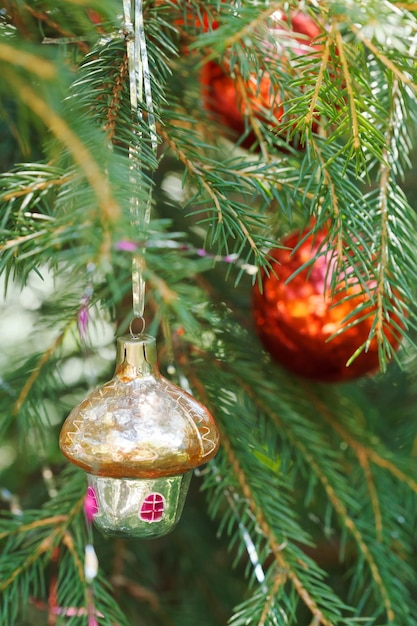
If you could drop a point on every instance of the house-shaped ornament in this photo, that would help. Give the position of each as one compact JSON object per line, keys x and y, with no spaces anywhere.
{"x":138,"y":437}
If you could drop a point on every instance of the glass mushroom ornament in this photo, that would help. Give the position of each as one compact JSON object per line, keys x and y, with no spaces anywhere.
{"x":138,"y":437}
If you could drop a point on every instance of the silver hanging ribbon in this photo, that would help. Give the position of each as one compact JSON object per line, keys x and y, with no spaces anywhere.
{"x":140,"y":93}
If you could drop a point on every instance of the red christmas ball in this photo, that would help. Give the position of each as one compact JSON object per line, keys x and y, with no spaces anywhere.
{"x":94,"y":16}
{"x":295,"y":320}
{"x":188,"y":23}
{"x":222,"y":95}
{"x":204,"y":23}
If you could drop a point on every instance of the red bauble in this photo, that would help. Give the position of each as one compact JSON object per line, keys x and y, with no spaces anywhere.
{"x":223,"y":98}
{"x":205,"y":23}
{"x":188,"y":23}
{"x":295,"y":320}
{"x":94,"y":16}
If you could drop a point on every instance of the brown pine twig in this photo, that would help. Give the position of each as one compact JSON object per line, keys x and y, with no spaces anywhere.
{"x":362,"y":450}
{"x":46,"y":184}
{"x":38,"y":368}
{"x":47,"y":521}
{"x":199,"y":174}
{"x":390,"y":65}
{"x":349,"y":87}
{"x":279,"y":581}
{"x":68,"y":542}
{"x":45,"y":17}
{"x":45,"y":546}
{"x":323,"y":65}
{"x":117,"y":91}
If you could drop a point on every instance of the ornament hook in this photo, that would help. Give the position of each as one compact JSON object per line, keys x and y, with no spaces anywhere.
{"x":141,"y":319}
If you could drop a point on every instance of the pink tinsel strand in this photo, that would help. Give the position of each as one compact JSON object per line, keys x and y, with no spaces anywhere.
{"x":83,"y":321}
{"x":73,"y":611}
{"x":126,"y":246}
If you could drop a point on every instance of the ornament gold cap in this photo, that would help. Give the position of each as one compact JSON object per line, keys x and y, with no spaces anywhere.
{"x":136,"y":355}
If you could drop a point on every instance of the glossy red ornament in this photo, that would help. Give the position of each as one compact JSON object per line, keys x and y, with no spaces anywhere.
{"x":94,"y":16}
{"x":222,"y":95}
{"x":188,"y":22}
{"x":295,"y":320}
{"x":191,"y":20}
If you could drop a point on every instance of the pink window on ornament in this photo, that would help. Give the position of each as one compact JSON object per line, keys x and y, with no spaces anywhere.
{"x":90,"y":504}
{"x":152,"y":509}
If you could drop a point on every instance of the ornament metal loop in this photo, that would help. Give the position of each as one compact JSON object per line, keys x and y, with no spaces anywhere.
{"x":142,"y":319}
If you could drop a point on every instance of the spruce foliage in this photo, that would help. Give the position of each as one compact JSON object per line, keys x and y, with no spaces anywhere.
{"x":307,"y":516}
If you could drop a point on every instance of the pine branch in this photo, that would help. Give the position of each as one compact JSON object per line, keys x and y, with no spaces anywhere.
{"x":324,"y":60}
{"x":368,"y":451}
{"x":26,"y":545}
{"x":34,"y":188}
{"x":115,"y":103}
{"x":38,"y":369}
{"x":44,"y":543}
{"x":349,"y":87}
{"x":82,"y":156}
{"x":250,"y":113}
{"x":50,"y":23}
{"x":290,"y":564}
{"x":320,"y":458}
{"x":219,"y":199}
{"x":260,"y":19}
{"x":300,"y":464}
{"x":337,"y":503}
{"x":390,"y":65}
{"x":47,"y":521}
{"x":34,"y":64}
{"x":283,"y":564}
